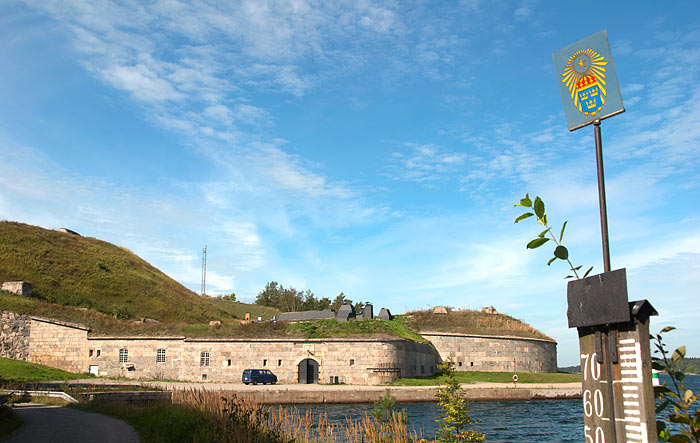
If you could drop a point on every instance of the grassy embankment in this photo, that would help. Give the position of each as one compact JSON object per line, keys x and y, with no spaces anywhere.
{"x":83,"y":272}
{"x":15,"y":371}
{"x":491,"y":377}
{"x":467,"y":321}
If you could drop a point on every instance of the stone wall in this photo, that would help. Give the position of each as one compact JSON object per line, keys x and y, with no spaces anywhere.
{"x":18,"y":287}
{"x":367,"y":361}
{"x":58,"y":344}
{"x":486,"y":353}
{"x":353,"y":361}
{"x":141,"y":357}
{"x":14,"y":335}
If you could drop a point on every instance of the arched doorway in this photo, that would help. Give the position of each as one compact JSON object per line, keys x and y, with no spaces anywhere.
{"x":308,"y":371}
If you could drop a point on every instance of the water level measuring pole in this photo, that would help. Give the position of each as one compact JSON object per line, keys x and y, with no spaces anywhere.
{"x":618,"y":399}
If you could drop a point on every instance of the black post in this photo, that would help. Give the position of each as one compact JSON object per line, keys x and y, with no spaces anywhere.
{"x":601,"y":197}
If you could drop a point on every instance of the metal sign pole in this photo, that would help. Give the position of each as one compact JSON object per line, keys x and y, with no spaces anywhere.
{"x":618,"y":399}
{"x":601,"y":197}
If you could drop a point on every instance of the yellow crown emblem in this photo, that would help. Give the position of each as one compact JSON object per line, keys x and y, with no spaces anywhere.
{"x":584,"y":76}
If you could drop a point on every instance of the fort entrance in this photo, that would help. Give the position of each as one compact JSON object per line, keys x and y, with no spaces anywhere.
{"x":308,"y":371}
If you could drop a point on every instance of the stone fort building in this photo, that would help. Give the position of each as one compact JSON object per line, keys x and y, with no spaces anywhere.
{"x":369,"y":361}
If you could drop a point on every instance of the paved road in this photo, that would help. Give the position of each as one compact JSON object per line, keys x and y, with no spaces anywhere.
{"x":54,"y":424}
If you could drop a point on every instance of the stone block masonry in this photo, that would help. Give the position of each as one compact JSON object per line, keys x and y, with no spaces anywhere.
{"x":58,"y":344}
{"x":361,"y":361}
{"x":352,"y":361}
{"x":14,"y":335}
{"x":18,"y":287}
{"x":497,"y":354}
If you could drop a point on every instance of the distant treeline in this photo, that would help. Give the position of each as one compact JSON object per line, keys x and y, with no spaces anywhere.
{"x":290,"y":300}
{"x":689,"y":365}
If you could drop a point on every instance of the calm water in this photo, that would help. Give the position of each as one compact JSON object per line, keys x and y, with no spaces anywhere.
{"x":558,"y":421}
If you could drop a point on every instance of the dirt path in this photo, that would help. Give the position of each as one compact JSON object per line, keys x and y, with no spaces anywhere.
{"x":58,"y":424}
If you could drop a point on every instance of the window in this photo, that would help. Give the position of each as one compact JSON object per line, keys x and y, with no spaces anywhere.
{"x":204,"y":376}
{"x":204,"y":358}
{"x":160,"y":356}
{"x":90,"y":352}
{"x":123,"y":355}
{"x":460,"y":364}
{"x":472,"y":364}
{"x":279,"y":362}
{"x":264,"y":362}
{"x":98,"y":352}
{"x":422,"y":369}
{"x":229,"y":362}
{"x":352,"y":361}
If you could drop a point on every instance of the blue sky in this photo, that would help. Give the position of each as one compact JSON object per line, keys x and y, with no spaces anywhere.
{"x":371,"y":148}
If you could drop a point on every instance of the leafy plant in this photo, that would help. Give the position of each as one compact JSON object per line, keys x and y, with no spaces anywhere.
{"x":680,"y":399}
{"x":560,"y":251}
{"x":455,"y":426}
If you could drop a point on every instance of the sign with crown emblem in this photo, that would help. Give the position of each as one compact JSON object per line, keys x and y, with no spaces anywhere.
{"x":587,"y":81}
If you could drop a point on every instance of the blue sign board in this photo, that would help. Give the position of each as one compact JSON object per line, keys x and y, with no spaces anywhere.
{"x":587,"y":81}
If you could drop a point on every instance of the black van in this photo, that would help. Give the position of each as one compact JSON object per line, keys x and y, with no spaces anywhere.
{"x":256,"y":376}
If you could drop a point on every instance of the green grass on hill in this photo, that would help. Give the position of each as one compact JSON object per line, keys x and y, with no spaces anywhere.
{"x":238,"y":310}
{"x":333,"y":328}
{"x":86,"y":272}
{"x":471,"y":322}
{"x":16,"y":371}
{"x":492,"y":377}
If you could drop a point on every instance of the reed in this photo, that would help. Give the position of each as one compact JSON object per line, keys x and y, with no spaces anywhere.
{"x":242,"y":420}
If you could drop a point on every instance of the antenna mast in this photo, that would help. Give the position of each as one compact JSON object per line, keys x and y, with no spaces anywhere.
{"x":204,"y":270}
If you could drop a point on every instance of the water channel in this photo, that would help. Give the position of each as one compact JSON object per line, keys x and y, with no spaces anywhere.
{"x":540,"y":421}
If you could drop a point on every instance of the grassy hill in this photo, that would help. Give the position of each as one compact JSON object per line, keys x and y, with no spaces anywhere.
{"x":471,"y":322}
{"x":105,"y":287}
{"x":70,"y":270}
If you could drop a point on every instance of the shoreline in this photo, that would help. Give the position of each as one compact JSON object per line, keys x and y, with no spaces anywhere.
{"x":280,"y":394}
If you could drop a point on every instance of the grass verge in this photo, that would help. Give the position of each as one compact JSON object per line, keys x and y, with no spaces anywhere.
{"x":162,"y":422}
{"x":9,"y":421}
{"x":16,"y":371}
{"x":491,"y":377}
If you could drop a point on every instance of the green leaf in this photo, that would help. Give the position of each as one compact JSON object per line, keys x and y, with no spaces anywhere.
{"x":539,"y":207}
{"x":588,"y":272}
{"x":561,"y":236}
{"x":524,"y":216}
{"x":525,"y":201}
{"x":679,"y":439}
{"x":678,"y":354}
{"x":668,"y":329}
{"x":568,"y":276}
{"x":679,"y":418}
{"x":541,"y":234}
{"x":536,"y":243}
{"x":551,"y":260}
{"x":561,"y":252}
{"x":658,"y":366}
{"x":577,"y":268}
{"x":662,"y":406}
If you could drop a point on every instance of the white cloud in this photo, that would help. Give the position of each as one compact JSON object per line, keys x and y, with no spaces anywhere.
{"x":425,"y":163}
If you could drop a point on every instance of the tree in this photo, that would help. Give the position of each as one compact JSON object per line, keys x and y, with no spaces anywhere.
{"x":324,"y":303}
{"x":339,"y":301}
{"x":269,"y":296}
{"x":231,"y":296}
{"x":455,"y":426}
